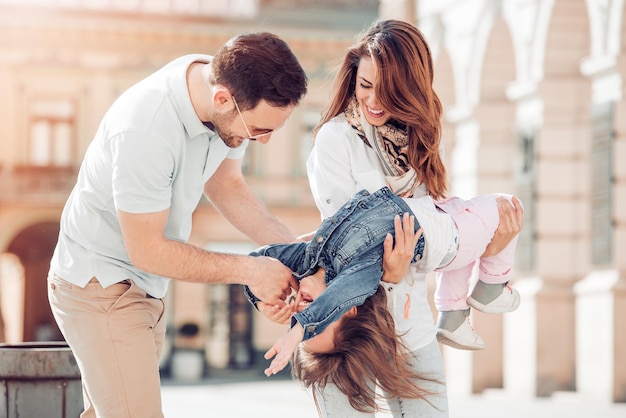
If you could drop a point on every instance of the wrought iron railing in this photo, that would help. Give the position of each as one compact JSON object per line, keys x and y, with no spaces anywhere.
{"x":36,"y":184}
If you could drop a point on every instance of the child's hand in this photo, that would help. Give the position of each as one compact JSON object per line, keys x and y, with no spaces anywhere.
{"x":283,"y":350}
{"x":397,"y":258}
{"x":276,"y":313}
{"x":511,"y":221}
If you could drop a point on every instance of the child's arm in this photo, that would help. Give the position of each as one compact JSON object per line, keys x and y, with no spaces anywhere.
{"x":397,"y":257}
{"x":283,"y":349}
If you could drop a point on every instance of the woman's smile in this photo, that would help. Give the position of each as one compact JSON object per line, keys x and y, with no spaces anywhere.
{"x":375,"y":113}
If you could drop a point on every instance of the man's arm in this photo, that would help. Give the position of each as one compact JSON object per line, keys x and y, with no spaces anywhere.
{"x":149,"y":250}
{"x":236,"y":201}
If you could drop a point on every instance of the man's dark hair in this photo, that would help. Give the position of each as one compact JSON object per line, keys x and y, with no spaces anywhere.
{"x":259,"y":66}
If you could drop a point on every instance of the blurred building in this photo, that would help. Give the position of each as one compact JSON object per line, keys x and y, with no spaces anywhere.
{"x":62,"y":63}
{"x":532,"y":92}
{"x":533,"y":96}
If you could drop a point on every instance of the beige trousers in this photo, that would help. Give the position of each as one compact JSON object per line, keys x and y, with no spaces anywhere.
{"x":116,"y":335}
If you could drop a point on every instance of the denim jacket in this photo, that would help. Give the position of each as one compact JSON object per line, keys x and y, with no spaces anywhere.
{"x":349,"y":246}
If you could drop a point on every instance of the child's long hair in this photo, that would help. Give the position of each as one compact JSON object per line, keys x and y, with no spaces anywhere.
{"x":367,"y":350}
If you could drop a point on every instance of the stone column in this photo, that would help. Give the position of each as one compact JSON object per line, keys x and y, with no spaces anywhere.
{"x":463,"y":173}
{"x":619,"y":243}
{"x":398,"y":9}
{"x":496,"y":156}
{"x":563,"y":211}
{"x":601,"y":296}
{"x":520,"y":328}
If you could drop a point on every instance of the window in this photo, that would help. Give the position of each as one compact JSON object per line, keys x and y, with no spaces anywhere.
{"x":526,"y":183}
{"x":602,"y":135}
{"x":309,"y":119}
{"x":52,"y":132}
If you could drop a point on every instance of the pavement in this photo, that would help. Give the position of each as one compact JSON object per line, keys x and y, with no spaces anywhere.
{"x":253,"y":395}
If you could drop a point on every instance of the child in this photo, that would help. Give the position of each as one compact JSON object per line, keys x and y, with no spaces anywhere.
{"x":365,"y":348}
{"x":348,"y":249}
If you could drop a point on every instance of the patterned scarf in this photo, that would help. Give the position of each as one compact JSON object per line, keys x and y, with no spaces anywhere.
{"x":390,"y":143}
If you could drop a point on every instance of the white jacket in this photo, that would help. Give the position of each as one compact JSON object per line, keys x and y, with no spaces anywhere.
{"x":340,"y":165}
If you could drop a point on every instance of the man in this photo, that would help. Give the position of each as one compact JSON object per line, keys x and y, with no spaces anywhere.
{"x":177,"y":134}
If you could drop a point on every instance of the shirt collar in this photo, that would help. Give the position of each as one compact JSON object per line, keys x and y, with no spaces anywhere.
{"x":180,"y":93}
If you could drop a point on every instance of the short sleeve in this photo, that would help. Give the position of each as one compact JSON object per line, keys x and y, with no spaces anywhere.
{"x":143,"y":169}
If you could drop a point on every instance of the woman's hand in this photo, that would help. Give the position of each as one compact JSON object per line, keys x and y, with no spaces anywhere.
{"x":397,"y":258}
{"x":511,"y":222}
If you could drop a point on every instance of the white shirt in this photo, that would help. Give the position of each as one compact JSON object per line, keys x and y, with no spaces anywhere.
{"x":438,"y":230}
{"x":150,"y":153}
{"x":339,"y":166}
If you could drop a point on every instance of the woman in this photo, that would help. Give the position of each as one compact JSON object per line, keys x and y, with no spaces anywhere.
{"x":383,"y":127}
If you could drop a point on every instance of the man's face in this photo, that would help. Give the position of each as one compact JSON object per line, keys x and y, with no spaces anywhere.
{"x":257,"y":124}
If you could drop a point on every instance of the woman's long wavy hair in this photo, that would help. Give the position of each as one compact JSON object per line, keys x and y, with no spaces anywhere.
{"x":404,"y":89}
{"x":367,"y":350}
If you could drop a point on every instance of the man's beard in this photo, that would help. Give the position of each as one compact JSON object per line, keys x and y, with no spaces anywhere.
{"x":221,"y":122}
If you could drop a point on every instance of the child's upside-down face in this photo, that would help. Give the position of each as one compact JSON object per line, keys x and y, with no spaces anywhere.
{"x":310,"y":289}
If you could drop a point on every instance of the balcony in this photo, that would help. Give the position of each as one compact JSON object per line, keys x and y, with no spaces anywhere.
{"x":36,"y":184}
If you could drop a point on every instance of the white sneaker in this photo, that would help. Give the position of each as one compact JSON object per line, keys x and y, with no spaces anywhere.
{"x":463,"y":337}
{"x":508,"y":301}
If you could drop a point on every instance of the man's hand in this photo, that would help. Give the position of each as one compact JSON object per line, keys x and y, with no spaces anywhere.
{"x":511,"y":222}
{"x":276,"y":313}
{"x":283,"y":350}
{"x":273,"y":282}
{"x":397,"y":258}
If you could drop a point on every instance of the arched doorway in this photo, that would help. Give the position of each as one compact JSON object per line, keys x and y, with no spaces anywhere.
{"x":34,"y":246}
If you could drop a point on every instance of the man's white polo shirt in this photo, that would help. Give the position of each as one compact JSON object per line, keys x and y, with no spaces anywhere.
{"x":150,"y":153}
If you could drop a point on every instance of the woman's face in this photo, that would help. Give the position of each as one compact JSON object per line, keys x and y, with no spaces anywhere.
{"x":366,"y":80}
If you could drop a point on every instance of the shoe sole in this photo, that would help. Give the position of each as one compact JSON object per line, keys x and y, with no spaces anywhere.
{"x":445,"y":337}
{"x":491,"y":309}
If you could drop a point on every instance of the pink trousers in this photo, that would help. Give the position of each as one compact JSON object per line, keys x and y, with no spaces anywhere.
{"x":477,"y":220}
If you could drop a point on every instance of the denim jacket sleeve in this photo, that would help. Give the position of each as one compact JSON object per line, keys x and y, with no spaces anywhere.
{"x":291,"y":255}
{"x":349,"y":288}
{"x":246,"y":290}
{"x":250,"y":296}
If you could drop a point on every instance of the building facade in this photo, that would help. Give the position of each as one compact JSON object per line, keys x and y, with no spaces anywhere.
{"x":533,"y":99}
{"x":61,"y":66}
